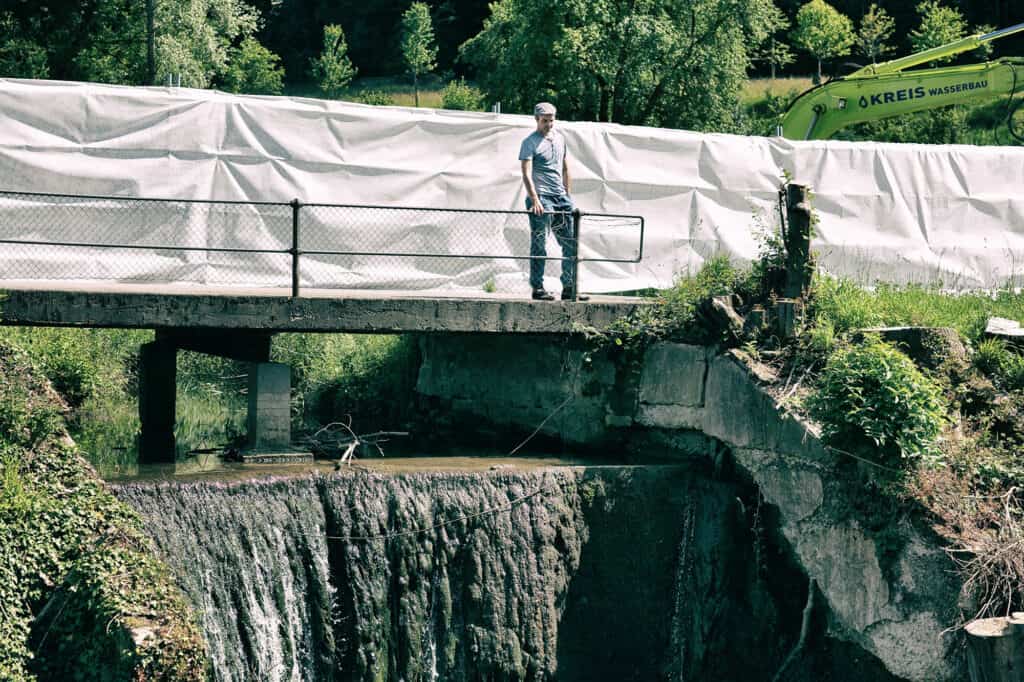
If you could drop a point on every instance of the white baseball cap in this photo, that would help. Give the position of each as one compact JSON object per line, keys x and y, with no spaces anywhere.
{"x":544,"y":108}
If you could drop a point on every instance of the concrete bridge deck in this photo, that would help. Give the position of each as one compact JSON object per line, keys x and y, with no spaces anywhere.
{"x":272,"y":310}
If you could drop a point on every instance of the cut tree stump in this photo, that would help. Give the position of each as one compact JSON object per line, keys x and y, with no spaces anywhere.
{"x":995,"y":649}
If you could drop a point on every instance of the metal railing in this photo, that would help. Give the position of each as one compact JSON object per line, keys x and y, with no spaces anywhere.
{"x":62,"y":236}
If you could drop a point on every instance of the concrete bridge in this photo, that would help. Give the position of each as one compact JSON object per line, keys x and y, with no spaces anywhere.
{"x":240,"y":323}
{"x":147,"y":263}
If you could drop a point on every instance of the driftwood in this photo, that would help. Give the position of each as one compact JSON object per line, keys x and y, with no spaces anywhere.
{"x":338,"y":440}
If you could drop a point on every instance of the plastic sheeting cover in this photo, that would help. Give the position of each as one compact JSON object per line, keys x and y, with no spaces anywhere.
{"x":952,"y":215}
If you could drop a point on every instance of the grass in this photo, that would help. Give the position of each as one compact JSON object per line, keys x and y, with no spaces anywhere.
{"x":400,"y":91}
{"x":760,"y":88}
{"x":848,"y":306}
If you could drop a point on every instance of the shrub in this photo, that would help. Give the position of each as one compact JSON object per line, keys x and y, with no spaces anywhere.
{"x":941,"y":126}
{"x":999,"y":363}
{"x":375,"y":97}
{"x":990,"y":356}
{"x":873,"y":399}
{"x":461,"y":96}
{"x":716,"y":277}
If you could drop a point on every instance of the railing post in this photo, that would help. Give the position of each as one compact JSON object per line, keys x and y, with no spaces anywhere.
{"x":295,"y":247}
{"x":576,"y":220}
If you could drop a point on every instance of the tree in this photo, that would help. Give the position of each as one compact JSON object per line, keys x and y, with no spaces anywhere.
{"x":986,"y":49}
{"x":254,"y":69}
{"x":823,"y":31}
{"x":191,"y":39}
{"x":418,"y":49}
{"x":773,"y":51}
{"x":677,"y":63}
{"x":876,"y":26}
{"x":20,"y":57}
{"x":939,"y":25}
{"x":333,"y":70}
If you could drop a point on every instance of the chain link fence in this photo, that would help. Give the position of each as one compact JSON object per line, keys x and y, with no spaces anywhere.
{"x":295,"y":245}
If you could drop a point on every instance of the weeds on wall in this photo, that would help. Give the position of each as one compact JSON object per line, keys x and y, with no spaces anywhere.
{"x":76,"y":572}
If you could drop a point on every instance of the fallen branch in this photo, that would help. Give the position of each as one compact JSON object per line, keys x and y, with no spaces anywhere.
{"x":338,"y":437}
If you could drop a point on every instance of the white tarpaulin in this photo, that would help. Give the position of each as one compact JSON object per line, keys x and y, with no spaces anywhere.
{"x":899,"y":213}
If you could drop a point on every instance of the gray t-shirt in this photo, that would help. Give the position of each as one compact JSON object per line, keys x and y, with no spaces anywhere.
{"x":547,"y":154}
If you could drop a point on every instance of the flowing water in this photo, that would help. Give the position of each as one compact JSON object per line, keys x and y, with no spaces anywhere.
{"x":468,"y":570}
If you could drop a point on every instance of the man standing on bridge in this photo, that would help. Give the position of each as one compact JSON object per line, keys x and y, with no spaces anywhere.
{"x":545,"y":168}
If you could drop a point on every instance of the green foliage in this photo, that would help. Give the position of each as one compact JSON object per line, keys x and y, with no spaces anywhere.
{"x":74,"y":564}
{"x":990,"y":355}
{"x":844,"y":305}
{"x":1004,"y":366}
{"x":192,"y":40}
{"x":254,"y":69}
{"x":375,"y":97}
{"x":461,"y":96}
{"x":947,"y":125}
{"x":939,"y":25}
{"x":332,"y":69}
{"x":849,"y":306}
{"x":985,"y":50}
{"x":20,"y":57}
{"x":716,"y":277}
{"x":333,"y":375}
{"x":419,"y":52}
{"x":773,"y":51}
{"x":666,"y":62}
{"x":876,"y":27}
{"x":673,"y":316}
{"x":823,"y":31}
{"x":872,"y":399}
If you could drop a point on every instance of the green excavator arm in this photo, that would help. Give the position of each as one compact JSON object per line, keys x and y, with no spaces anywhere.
{"x":883,"y":90}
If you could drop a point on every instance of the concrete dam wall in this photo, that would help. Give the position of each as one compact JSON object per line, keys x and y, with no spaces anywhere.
{"x":892,"y":593}
{"x":688,"y":549}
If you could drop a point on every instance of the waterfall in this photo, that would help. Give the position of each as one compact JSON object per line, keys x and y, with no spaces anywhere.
{"x":566,"y":573}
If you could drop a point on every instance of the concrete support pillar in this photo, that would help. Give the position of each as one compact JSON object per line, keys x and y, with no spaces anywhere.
{"x":157,"y":382}
{"x":269,"y":406}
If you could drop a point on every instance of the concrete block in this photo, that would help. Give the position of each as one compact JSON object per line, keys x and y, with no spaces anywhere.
{"x":157,"y":394}
{"x":673,"y":374}
{"x":737,"y":410}
{"x":796,"y":490}
{"x":269,"y":405}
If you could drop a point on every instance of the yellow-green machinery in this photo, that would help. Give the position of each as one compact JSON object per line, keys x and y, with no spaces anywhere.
{"x":883,"y":90}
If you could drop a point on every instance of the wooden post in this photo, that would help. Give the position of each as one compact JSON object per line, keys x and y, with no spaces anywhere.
{"x":995,"y":649}
{"x":789,"y":313}
{"x":797,"y":241}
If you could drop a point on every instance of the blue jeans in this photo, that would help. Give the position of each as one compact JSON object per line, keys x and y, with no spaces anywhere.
{"x":561,"y":225}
